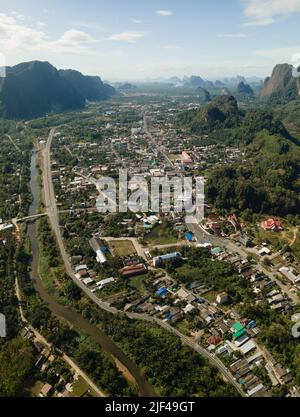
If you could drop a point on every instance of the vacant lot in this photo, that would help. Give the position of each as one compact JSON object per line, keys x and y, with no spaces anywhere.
{"x":162,"y":235}
{"x":122,"y":248}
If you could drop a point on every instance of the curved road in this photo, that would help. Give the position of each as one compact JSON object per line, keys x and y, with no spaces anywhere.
{"x":51,"y":208}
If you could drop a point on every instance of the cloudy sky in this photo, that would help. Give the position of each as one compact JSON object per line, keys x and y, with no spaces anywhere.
{"x":135,"y":39}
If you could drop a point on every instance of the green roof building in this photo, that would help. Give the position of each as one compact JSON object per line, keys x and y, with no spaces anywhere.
{"x":238,"y":327}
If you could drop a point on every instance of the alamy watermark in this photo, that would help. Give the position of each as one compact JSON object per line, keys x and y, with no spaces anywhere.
{"x":158,"y":195}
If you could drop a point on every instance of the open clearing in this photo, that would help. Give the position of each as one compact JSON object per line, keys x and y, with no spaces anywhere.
{"x":122,"y":248}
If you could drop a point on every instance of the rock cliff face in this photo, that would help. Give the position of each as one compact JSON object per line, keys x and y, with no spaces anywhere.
{"x":282,"y":85}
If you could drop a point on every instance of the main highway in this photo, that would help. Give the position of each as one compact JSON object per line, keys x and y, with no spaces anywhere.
{"x":51,"y":209}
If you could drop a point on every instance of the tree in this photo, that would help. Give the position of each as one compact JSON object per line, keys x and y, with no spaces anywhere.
{"x":16,"y":363}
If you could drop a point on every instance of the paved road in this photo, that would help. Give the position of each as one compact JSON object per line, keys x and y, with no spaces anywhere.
{"x":155,"y":144}
{"x":195,"y":346}
{"x":42,"y":340}
{"x":119,"y":159}
{"x":51,"y":208}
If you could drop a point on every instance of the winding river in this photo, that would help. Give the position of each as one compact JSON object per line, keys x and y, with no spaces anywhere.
{"x":71,"y":316}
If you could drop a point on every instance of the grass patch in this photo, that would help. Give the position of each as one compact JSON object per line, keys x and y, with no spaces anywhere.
{"x":47,"y":274}
{"x":183,"y":327}
{"x":80,"y":387}
{"x":161,"y":235}
{"x":296,"y":248}
{"x":36,"y":389}
{"x":138,"y":282}
{"x":277,"y":239}
{"x":122,"y":248}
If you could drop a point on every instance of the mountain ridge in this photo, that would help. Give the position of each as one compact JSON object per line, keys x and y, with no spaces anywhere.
{"x":33,"y":89}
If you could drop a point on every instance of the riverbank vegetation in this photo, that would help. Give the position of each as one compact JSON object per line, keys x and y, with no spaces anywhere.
{"x":173,"y":369}
{"x":85,"y":352}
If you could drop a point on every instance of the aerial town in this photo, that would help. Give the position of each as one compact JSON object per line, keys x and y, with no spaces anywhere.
{"x":147,"y":265}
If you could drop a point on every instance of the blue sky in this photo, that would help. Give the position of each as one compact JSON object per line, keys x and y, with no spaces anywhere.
{"x":135,"y":39}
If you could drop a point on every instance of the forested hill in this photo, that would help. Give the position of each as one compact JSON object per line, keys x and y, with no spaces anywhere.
{"x":267,"y":180}
{"x":92,"y":88}
{"x":224,"y":121}
{"x":33,"y":89}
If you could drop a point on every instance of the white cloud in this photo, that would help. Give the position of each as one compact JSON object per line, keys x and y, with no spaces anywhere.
{"x":164,"y":12}
{"x":285,"y":54}
{"x":41,"y":24}
{"x":18,"y":16}
{"x":14,"y":35}
{"x":234,"y":35}
{"x":73,"y":39}
{"x":173,"y":47}
{"x":71,"y":42}
{"x":288,"y":54}
{"x":296,"y":58}
{"x":265,"y":12}
{"x":136,"y":21}
{"x":130,"y":37}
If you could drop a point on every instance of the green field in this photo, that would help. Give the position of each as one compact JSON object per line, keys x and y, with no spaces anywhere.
{"x":81,"y":388}
{"x":138,"y":282}
{"x":161,"y":235}
{"x":276,"y":239}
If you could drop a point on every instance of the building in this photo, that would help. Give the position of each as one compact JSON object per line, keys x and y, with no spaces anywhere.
{"x":162,"y":292}
{"x":81,"y":268}
{"x":247,"y":347}
{"x":288,"y":273}
{"x":214,"y":340}
{"x":264,"y":252}
{"x":88,"y":281}
{"x":105,"y":282}
{"x":245,"y":240}
{"x":186,"y":158}
{"x":160,"y":261}
{"x":217,"y":251}
{"x":99,"y":248}
{"x":189,"y":236}
{"x":238,"y":330}
{"x":132,"y":270}
{"x":188,"y":308}
{"x":46,"y":390}
{"x":182,"y":294}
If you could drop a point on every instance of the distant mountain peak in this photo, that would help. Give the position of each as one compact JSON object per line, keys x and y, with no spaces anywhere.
{"x":282,"y":86}
{"x":244,"y":89}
